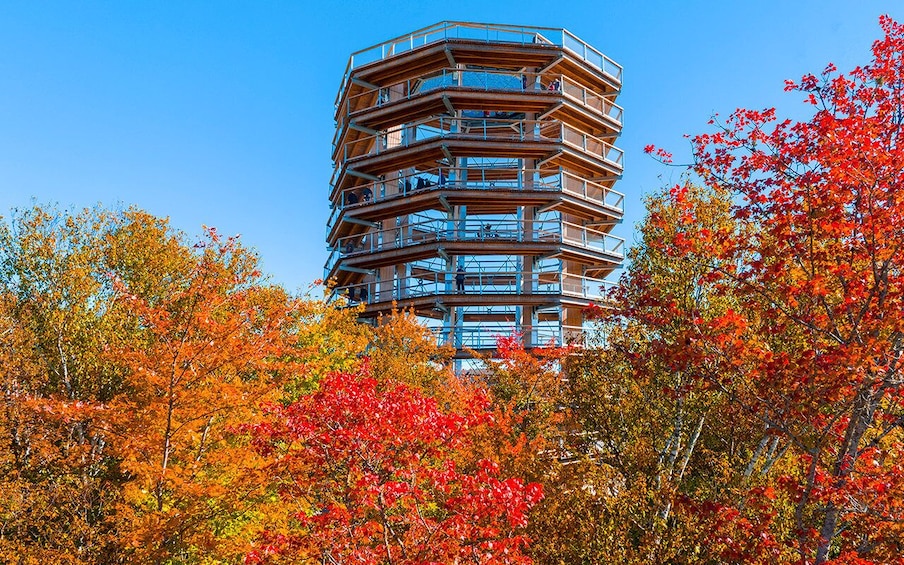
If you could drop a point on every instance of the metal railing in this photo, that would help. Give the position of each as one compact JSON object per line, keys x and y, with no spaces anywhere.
{"x":482,"y":80}
{"x":590,"y":144}
{"x":405,"y":185}
{"x":593,"y":239}
{"x":485,"y":129}
{"x":486,"y":336}
{"x":497,"y":129}
{"x":591,"y":55}
{"x":487,"y":33}
{"x":475,"y":283}
{"x":472,"y":79}
{"x":459,"y":178}
{"x":591,"y":99}
{"x":514,"y":231}
{"x":593,"y":191}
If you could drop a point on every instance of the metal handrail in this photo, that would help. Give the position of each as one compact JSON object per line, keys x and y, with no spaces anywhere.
{"x":449,"y":77}
{"x":520,"y":231}
{"x":591,"y":238}
{"x":484,"y":336}
{"x":488,"y":33}
{"x":590,"y":99}
{"x":590,"y":190}
{"x":485,"y":80}
{"x":441,"y":178}
{"x":477,"y":283}
{"x":497,"y":129}
{"x":461,"y":178}
{"x":429,"y":128}
{"x":447,"y":230}
{"x":591,"y":144}
{"x":590,"y":54}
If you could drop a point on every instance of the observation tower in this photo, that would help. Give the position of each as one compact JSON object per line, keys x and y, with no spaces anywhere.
{"x":474,"y":167}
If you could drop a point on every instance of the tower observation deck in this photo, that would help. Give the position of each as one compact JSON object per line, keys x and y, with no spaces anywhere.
{"x":474,"y":167}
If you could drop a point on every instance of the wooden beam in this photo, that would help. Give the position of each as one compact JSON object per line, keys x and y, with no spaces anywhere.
{"x":445,"y":203}
{"x":548,"y":207}
{"x":355,"y":126}
{"x":605,"y":223}
{"x":551,"y":65}
{"x":445,"y":149}
{"x":356,"y":270}
{"x":448,"y":104}
{"x":361,"y":175}
{"x":548,"y":306}
{"x":365,"y":84}
{"x":605,"y":179}
{"x":550,"y":111}
{"x":548,"y":159}
{"x":361,"y":222}
{"x":450,"y":57}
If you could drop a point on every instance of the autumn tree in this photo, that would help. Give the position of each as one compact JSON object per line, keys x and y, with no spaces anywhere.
{"x":652,"y":440}
{"x":366,"y":469}
{"x":59,"y":478}
{"x":127,"y":353}
{"x":534,"y":439}
{"x":808,"y":345}
{"x":404,"y":350}
{"x":210,"y":349}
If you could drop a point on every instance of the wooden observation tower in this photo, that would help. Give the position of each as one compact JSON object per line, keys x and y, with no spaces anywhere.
{"x":473,"y":180}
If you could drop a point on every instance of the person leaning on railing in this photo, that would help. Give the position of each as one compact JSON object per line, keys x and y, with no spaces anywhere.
{"x":460,"y":280}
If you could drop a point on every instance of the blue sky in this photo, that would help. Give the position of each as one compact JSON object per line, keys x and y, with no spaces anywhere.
{"x":220,"y":113}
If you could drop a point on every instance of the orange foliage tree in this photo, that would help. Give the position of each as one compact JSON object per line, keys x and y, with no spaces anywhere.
{"x":208,"y":351}
{"x":59,"y":479}
{"x":126,"y":354}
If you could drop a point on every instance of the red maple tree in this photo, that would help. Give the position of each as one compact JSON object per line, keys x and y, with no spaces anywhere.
{"x":812,"y":349}
{"x":373,"y":472}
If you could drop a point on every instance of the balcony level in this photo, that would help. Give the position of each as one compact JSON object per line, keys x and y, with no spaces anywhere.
{"x":482,"y":190}
{"x":466,"y":43}
{"x":432,"y":291}
{"x":556,"y":96}
{"x":553,"y":143}
{"x":474,"y":237}
{"x":483,"y":338}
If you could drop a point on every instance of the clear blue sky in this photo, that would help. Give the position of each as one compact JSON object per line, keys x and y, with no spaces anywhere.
{"x":220,"y":113}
